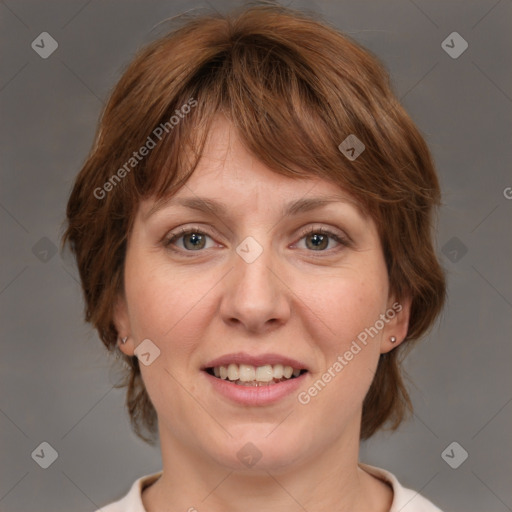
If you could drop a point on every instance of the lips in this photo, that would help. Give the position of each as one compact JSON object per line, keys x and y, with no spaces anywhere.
{"x":246,"y":371}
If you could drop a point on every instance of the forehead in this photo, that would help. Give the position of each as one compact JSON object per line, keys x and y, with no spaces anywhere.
{"x":231,"y":175}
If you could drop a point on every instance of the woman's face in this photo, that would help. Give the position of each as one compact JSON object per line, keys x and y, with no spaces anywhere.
{"x":284,"y":272}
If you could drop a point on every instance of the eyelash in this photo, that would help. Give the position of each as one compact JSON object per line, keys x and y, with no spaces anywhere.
{"x":168,"y":242}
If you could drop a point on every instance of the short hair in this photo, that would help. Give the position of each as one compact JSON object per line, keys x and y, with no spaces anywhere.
{"x":294,"y":88}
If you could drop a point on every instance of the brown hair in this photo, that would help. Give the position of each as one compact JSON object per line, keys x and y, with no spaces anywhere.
{"x":294,"y":88}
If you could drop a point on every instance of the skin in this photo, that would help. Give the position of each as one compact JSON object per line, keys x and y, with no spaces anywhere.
{"x":294,"y":300}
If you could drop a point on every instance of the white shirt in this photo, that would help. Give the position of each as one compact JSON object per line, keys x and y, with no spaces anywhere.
{"x":404,"y":500}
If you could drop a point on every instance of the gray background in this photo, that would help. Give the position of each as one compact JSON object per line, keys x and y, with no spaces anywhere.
{"x":55,"y":382}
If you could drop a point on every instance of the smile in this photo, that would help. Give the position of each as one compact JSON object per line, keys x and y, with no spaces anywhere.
{"x":255,"y":379}
{"x":256,"y":376}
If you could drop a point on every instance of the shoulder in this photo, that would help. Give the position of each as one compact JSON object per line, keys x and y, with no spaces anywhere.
{"x":404,"y":500}
{"x":132,"y":502}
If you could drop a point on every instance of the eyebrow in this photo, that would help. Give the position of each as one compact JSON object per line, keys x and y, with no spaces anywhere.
{"x":217,"y":208}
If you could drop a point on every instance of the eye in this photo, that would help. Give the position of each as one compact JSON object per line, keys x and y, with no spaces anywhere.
{"x":191,"y":240}
{"x":194,"y":240}
{"x":319,"y":239}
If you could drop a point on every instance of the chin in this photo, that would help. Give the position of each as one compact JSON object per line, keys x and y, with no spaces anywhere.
{"x":258,"y":448}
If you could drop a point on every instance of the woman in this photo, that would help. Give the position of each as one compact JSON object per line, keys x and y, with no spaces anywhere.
{"x":253,"y":234}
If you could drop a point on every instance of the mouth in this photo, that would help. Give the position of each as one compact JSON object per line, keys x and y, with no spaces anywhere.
{"x":255,"y":380}
{"x":255,"y":376}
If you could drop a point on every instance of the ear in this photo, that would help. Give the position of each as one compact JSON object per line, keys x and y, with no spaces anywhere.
{"x":123,"y":326}
{"x":397,"y":325}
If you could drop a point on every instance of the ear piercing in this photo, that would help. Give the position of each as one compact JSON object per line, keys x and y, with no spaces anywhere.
{"x":123,"y":340}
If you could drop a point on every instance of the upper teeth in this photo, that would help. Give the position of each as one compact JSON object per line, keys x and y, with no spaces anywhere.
{"x":248,"y":372}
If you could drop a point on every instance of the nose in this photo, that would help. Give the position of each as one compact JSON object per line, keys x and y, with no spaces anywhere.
{"x":255,"y":298}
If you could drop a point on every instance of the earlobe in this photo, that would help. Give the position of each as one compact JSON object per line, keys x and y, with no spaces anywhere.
{"x":125,"y":345}
{"x":398,"y":324}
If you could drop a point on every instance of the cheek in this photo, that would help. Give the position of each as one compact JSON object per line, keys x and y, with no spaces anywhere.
{"x":342,"y":306}
{"x":168,"y":306}
{"x":348,"y":307}
{"x":352,"y":348}
{"x":155,"y":296}
{"x":165,"y":307}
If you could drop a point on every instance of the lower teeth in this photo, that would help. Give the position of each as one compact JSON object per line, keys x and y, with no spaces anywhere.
{"x":253,"y":383}
{"x":256,"y":383}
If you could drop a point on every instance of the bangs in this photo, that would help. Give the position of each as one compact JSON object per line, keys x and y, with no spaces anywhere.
{"x":282,"y":112}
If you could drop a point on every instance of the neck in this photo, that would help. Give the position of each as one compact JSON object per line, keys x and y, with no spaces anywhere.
{"x":192,"y":481}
